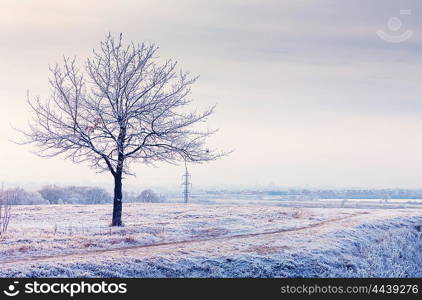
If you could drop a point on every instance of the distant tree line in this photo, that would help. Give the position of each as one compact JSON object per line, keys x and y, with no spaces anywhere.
{"x":335,"y":193}
{"x":53,"y":194}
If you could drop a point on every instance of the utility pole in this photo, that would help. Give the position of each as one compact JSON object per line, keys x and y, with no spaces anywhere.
{"x":186,"y":184}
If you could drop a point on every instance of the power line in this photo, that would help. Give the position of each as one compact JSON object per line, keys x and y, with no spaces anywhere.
{"x":187,"y":185}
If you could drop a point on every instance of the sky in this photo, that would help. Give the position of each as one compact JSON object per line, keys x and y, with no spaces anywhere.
{"x":308,"y":93}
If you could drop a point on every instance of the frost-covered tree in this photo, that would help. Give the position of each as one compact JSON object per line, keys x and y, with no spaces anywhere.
{"x":28,"y":198}
{"x":149,"y":196}
{"x":52,"y":193}
{"x":75,"y":194}
{"x":126,"y":105}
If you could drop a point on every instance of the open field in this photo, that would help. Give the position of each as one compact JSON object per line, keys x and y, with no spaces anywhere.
{"x":224,"y":240}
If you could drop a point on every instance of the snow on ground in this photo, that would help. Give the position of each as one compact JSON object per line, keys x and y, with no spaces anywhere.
{"x":47,"y":230}
{"x":225,"y":240}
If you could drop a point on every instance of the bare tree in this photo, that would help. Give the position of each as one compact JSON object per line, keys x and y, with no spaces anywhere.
{"x":127,"y":106}
{"x":7,"y":198}
{"x":149,"y":196}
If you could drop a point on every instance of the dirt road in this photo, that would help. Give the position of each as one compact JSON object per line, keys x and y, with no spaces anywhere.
{"x":211,"y":245}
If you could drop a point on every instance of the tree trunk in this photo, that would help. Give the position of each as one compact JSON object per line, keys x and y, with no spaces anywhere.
{"x":117,"y":202}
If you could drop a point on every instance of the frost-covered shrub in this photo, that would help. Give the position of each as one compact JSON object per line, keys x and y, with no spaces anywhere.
{"x":7,"y":199}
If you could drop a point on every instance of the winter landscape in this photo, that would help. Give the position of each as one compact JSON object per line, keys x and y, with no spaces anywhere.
{"x":238,"y":138}
{"x":214,"y":239}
